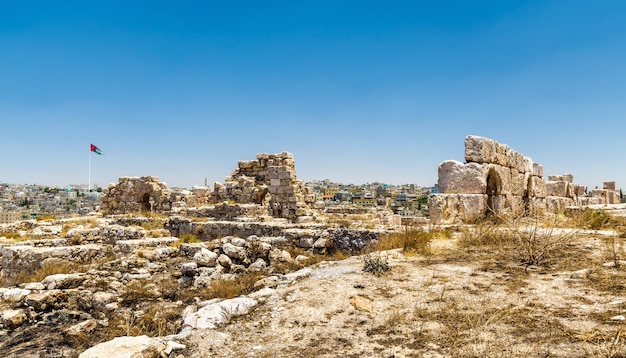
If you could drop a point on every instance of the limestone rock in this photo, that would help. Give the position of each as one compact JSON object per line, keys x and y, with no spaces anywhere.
{"x":258,"y":265}
{"x":13,"y":318}
{"x":63,"y":281}
{"x":458,"y":178}
{"x":15,"y":294}
{"x":189,"y":269}
{"x":205,"y":257}
{"x":234,"y":252}
{"x":224,"y":261}
{"x":126,"y":347}
{"x":216,"y":314}
{"x":83,"y":327}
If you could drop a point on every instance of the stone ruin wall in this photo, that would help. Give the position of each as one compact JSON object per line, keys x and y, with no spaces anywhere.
{"x":133,"y":194}
{"x":496,"y":179}
{"x":265,"y":186}
{"x":270,"y":181}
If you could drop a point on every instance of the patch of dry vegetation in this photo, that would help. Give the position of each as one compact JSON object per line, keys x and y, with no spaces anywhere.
{"x":47,"y":269}
{"x":412,"y":240}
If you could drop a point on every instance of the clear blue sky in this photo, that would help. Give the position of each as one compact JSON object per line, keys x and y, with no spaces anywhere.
{"x":358,"y":91}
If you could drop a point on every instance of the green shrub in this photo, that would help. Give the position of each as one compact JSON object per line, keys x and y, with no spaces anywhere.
{"x":375,"y":265}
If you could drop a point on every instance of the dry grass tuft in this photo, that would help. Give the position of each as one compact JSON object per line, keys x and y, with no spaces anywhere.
{"x":412,"y":240}
{"x":242,"y":285}
{"x":47,"y":269}
{"x":189,"y":238}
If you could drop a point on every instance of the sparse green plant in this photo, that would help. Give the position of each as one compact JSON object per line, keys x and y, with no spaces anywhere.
{"x":375,"y":265}
{"x":590,"y":219}
{"x":188,"y":238}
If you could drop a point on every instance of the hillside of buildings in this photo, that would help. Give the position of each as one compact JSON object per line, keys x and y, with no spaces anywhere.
{"x":495,"y":260}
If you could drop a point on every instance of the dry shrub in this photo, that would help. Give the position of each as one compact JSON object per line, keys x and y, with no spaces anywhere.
{"x":607,"y":344}
{"x":525,"y":241}
{"x":138,"y":291}
{"x":189,"y":238}
{"x":242,"y":285}
{"x":47,"y":269}
{"x":153,"y":224}
{"x":157,"y":319}
{"x":590,"y":219}
{"x":414,"y":240}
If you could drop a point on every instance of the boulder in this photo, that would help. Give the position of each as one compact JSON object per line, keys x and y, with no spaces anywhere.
{"x":459,"y":178}
{"x":205,"y":257}
{"x":216,"y":314}
{"x":63,"y":281}
{"x":189,"y":269}
{"x":126,"y":347}
{"x":234,"y":252}
{"x":12,"y":318}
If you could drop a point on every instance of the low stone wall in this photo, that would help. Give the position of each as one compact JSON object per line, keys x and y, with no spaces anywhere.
{"x":28,"y":259}
{"x":339,"y":238}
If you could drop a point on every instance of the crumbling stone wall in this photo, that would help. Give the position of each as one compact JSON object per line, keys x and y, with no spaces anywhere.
{"x":132,"y":194}
{"x":270,"y":181}
{"x":496,"y":179}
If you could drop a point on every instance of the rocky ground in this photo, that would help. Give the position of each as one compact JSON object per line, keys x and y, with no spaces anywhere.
{"x":451,"y":304}
{"x":117,"y":286}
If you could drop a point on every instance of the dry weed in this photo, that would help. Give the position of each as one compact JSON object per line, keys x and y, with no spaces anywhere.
{"x":412,"y":240}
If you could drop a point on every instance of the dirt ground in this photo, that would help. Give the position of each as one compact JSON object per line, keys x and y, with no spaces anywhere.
{"x":456,"y":302}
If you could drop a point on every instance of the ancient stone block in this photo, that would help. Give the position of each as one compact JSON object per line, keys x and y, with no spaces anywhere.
{"x":557,"y":188}
{"x":536,"y":206}
{"x":515,"y":161}
{"x":519,"y":183}
{"x":480,"y":149}
{"x":609,"y":185}
{"x":537,"y":170}
{"x":458,"y":178}
{"x":537,"y":187}
{"x":579,"y":190}
{"x":527,"y":165}
{"x":472,"y":207}
{"x":443,"y":208}
{"x":557,"y":204}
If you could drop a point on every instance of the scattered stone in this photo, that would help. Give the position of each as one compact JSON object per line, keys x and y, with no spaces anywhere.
{"x":123,"y":347}
{"x":63,"y":281}
{"x":205,"y":257}
{"x":258,"y":265}
{"x":189,"y":269}
{"x":13,"y":318}
{"x":224,"y":261}
{"x":214,"y":315}
{"x":87,"y":326}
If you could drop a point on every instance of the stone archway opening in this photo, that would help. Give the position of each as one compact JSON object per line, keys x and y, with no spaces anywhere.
{"x":146,"y":202}
{"x":494,"y":188}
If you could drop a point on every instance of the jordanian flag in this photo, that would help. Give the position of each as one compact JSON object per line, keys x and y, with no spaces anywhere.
{"x":95,"y":149}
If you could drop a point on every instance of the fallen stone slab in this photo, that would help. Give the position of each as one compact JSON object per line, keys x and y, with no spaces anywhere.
{"x":216,"y":314}
{"x":127,"y":246}
{"x":126,"y":347}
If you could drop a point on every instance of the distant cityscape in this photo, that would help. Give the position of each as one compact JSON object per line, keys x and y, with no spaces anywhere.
{"x":28,"y":201}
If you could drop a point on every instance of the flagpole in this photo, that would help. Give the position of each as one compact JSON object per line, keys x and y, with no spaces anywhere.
{"x":89,"y":183}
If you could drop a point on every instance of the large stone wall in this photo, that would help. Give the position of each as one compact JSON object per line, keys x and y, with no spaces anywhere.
{"x":133,"y":194}
{"x":271,"y":181}
{"x":498,"y":180}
